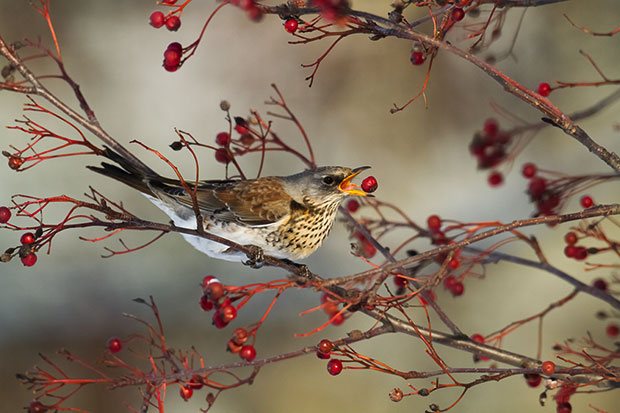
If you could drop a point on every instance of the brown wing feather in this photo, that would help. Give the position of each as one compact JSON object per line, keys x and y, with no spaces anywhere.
{"x":253,"y":203}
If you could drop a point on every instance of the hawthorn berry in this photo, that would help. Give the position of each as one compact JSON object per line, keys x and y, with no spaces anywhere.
{"x":544,"y":89}
{"x":15,"y":162}
{"x":241,"y":336}
{"x":570,"y":251}
{"x":208,"y":279}
{"x":570,"y":238}
{"x":458,"y":14}
{"x":170,"y":68}
{"x":206,"y":304}
{"x":325,"y":346}
{"x":479,"y":338}
{"x":36,"y":406}
{"x":228,"y":313}
{"x":5,"y":215}
{"x":173,"y":23}
{"x":27,"y":238}
{"x":612,"y":330}
{"x":338,"y":320}
{"x":114,"y":345}
{"x":600,"y":283}
{"x":564,"y":407}
{"x":196,"y":382}
{"x":241,"y":130}
{"x":368,"y":249}
{"x":323,"y":356}
{"x":334,"y":367}
{"x":157,"y":19}
{"x":353,"y":205}
{"x":29,"y":259}
{"x":529,"y":170}
{"x":170,"y":2}
{"x":533,"y":380}
{"x":434,"y":222}
{"x":172,"y":58}
{"x":221,"y":155}
{"x":537,"y":187}
{"x":370,"y":184}
{"x":581,"y":253}
{"x":186,"y":392}
{"x":586,"y":201}
{"x":495,"y":179}
{"x":417,"y":58}
{"x":400,"y":282}
{"x":222,"y":138}
{"x":454,"y":263}
{"x":215,"y":290}
{"x":248,"y":353}
{"x":291,"y":26}
{"x":548,"y":367}
{"x":449,"y":282}
{"x":490,"y":128}
{"x":218,"y":321}
{"x":457,"y":289}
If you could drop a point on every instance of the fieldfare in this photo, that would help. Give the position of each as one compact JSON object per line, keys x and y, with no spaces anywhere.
{"x":285,"y":216}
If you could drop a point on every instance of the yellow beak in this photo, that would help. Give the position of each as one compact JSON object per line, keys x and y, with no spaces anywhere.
{"x":350,"y":188}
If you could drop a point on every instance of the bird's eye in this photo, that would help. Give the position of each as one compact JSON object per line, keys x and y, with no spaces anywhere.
{"x":328,"y":180}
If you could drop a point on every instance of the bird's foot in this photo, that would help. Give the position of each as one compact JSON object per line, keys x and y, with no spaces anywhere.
{"x":302,"y":271}
{"x":256,"y":257}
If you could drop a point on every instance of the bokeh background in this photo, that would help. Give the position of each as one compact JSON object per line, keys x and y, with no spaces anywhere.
{"x":74,"y":299}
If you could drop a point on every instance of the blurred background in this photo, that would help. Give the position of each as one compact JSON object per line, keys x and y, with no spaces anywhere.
{"x":74,"y":299}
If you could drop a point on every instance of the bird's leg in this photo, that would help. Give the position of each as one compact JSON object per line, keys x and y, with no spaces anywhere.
{"x":256,"y":257}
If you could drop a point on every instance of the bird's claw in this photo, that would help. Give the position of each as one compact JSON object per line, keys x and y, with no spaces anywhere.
{"x":256,"y":257}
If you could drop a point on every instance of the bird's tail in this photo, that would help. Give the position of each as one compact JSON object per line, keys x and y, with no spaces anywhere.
{"x":127,"y":172}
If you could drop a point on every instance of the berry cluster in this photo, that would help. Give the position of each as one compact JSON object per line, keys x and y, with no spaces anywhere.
{"x":547,"y":199}
{"x":237,"y":344}
{"x":324,"y":351}
{"x":572,"y":250}
{"x":215,"y":297}
{"x":172,"y":57}
{"x":26,"y":250}
{"x":171,"y":21}
{"x":365,"y":248}
{"x":490,"y":147}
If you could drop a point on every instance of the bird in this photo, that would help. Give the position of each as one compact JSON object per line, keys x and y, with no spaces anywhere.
{"x":286,"y":217}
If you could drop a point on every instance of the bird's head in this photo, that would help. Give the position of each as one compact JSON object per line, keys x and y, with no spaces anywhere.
{"x":324,"y":185}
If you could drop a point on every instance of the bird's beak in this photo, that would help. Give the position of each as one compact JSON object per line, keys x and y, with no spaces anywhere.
{"x":350,"y":188}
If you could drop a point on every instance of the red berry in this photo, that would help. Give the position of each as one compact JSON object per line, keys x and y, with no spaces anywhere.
{"x":170,"y":2}
{"x":222,"y":138}
{"x":170,"y":68}
{"x":323,"y":356}
{"x":417,"y":58}
{"x":37,"y":407}
{"x":457,"y":289}
{"x":529,"y":170}
{"x":458,"y":14}
{"x":434,"y":222}
{"x":208,"y":279}
{"x":490,"y":128}
{"x":570,"y":251}
{"x":548,"y":367}
{"x":479,"y":338}
{"x":186,"y":392}
{"x":29,"y":259}
{"x":334,"y":367}
{"x":338,"y":320}
{"x":173,"y":23}
{"x":114,"y":345}
{"x":353,"y":205}
{"x":291,"y":25}
{"x":496,"y":179}
{"x":215,"y":290}
{"x":533,"y":380}
{"x":157,"y":19}
{"x":196,"y":382}
{"x":370,"y":184}
{"x":600,"y":283}
{"x":449,"y":282}
{"x":581,"y":253}
{"x":241,"y":130}
{"x":400,"y":282}
{"x":27,"y":238}
{"x":175,"y":46}
{"x":612,"y":330}
{"x":172,"y":58}
{"x":206,"y":304}
{"x":15,"y":162}
{"x":586,"y":201}
{"x":570,"y":238}
{"x":454,"y":263}
{"x":544,"y":89}
{"x":248,"y":353}
{"x":368,"y":249}
{"x":325,"y":346}
{"x":228,"y":313}
{"x":537,"y":187}
{"x":5,"y":215}
{"x":221,"y":155}
{"x":218,"y":321}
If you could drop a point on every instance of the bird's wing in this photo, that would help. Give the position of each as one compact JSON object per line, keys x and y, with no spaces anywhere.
{"x":257,"y":202}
